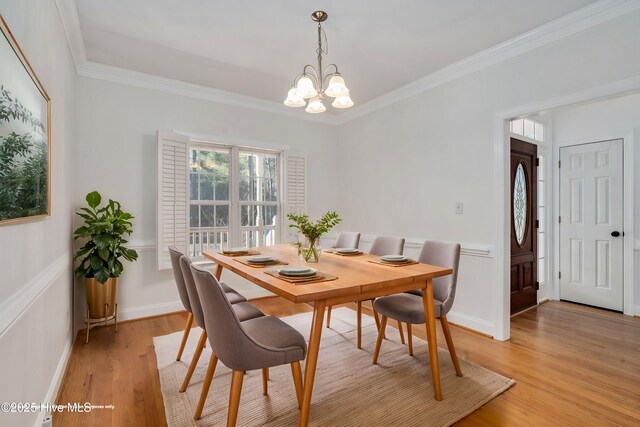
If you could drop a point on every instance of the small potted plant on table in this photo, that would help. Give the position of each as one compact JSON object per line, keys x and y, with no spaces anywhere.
{"x":312,"y":231}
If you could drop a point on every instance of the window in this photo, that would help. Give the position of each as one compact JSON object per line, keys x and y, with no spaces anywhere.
{"x":209,"y":201}
{"x":224,"y":211}
{"x":528,"y":128}
{"x":259,"y":198}
{"x":211,"y":195}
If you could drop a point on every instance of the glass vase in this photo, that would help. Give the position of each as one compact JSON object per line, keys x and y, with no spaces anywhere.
{"x":311,"y":250}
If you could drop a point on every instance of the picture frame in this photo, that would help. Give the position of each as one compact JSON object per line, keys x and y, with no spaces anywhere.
{"x":25,"y":136}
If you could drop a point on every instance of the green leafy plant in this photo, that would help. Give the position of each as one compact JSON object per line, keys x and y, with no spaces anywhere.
{"x":105,"y":228}
{"x":313,"y":230}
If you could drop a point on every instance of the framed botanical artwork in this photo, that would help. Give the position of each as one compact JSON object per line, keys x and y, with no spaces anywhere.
{"x":25,"y":136}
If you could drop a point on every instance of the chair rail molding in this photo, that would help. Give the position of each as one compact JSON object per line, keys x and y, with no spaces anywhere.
{"x":467,"y":249}
{"x":587,"y":17}
{"x":17,"y":304}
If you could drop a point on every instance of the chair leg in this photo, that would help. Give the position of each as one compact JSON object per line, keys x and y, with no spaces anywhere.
{"x":185,"y":335}
{"x":296,"y":371}
{"x":383,"y":325}
{"x":359,"y":324}
{"x":234,"y":397}
{"x":401,"y":332}
{"x":375,"y":316}
{"x":194,"y":361}
{"x":410,"y":339}
{"x":329,"y":316}
{"x":265,"y":379}
{"x":452,"y":350}
{"x":213,"y":362}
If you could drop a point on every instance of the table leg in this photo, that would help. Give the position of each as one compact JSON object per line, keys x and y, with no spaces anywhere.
{"x":312,"y":360}
{"x":430,"y":320}
{"x":218,"y":272}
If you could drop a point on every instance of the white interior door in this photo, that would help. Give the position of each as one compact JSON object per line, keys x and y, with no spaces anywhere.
{"x":591,"y":226}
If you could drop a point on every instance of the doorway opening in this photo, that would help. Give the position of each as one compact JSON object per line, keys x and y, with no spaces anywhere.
{"x":622,"y":124}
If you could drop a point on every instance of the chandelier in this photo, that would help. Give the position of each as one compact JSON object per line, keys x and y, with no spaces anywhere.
{"x":310,"y":83}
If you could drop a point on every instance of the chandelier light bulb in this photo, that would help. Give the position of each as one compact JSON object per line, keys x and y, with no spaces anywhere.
{"x":336,"y":87}
{"x":305,"y":89}
{"x":315,"y":106}
{"x":343,"y":101}
{"x":293,"y":100}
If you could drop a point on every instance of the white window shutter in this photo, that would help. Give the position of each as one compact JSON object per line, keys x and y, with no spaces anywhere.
{"x":173,"y":197}
{"x":296,"y":183}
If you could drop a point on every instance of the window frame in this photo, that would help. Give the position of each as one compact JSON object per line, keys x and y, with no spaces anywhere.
{"x":235,"y":227}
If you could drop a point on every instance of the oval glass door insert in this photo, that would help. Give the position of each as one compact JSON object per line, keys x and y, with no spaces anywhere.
{"x":520,"y":203}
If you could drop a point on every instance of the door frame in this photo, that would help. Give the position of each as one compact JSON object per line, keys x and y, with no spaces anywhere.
{"x":628,"y":244}
{"x":502,"y":321}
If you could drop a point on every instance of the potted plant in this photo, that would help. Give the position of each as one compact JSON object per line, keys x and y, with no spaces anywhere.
{"x":312,"y":231}
{"x":99,"y":258}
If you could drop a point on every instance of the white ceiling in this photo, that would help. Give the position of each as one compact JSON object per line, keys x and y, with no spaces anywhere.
{"x":256,"y":47}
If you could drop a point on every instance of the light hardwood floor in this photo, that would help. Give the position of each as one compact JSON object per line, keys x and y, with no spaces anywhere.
{"x":574,"y":365}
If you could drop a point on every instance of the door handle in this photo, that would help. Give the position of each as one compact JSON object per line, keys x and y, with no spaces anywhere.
{"x":615,"y":233}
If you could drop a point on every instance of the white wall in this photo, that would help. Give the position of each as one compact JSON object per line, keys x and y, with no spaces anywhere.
{"x":403,"y":168}
{"x":117,"y":155}
{"x":610,"y":119}
{"x":35,"y":257}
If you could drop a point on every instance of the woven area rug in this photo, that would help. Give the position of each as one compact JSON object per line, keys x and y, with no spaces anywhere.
{"x":349,"y":390}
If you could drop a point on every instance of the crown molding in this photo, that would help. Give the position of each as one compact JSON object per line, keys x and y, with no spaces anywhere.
{"x":128,"y":77}
{"x":582,"y":19}
{"x":71,"y":24}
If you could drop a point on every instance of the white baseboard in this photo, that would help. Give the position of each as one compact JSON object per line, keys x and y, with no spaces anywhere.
{"x":149,"y":310}
{"x":637,"y":310}
{"x":471,"y":323}
{"x":52,"y":392}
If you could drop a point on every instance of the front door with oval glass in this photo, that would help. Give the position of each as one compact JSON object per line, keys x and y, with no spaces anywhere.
{"x":524,"y":255}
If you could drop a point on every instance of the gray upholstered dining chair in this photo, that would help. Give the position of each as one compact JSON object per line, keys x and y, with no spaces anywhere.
{"x":244,"y":311}
{"x":257,"y":343}
{"x":409,"y":308}
{"x":345,"y":239}
{"x":175,"y":255}
{"x":382,"y":245}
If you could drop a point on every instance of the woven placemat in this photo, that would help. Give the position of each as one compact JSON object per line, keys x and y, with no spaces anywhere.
{"x":395,"y":264}
{"x":236,"y":254}
{"x":344,"y":254}
{"x":318,"y":277}
{"x":245,"y":261}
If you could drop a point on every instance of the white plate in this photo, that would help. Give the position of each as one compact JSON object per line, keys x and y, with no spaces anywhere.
{"x":393,"y":258}
{"x":261,"y":259}
{"x":236,"y":250}
{"x":297,"y":271}
{"x":347,"y":250}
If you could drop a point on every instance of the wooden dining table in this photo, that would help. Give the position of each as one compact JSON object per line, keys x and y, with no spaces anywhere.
{"x":358,"y":279}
